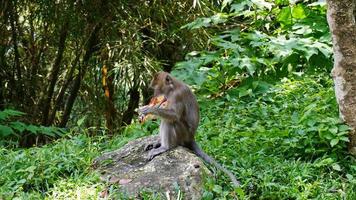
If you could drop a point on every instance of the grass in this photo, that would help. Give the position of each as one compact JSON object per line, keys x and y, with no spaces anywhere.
{"x":279,"y":143}
{"x":284,"y":144}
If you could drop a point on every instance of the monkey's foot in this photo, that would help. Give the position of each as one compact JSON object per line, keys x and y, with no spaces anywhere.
{"x":155,"y":152}
{"x":152,"y":146}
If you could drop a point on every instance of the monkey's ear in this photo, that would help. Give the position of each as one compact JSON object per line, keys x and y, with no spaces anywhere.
{"x":169,"y":80}
{"x":155,"y":75}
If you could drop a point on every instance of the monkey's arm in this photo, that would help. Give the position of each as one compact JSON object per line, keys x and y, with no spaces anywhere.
{"x":165,"y":113}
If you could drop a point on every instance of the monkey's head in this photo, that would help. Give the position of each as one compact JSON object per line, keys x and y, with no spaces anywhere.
{"x":162,"y":83}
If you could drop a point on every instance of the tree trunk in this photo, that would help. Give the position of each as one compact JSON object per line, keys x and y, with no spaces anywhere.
{"x":3,"y":47}
{"x":341,"y":17}
{"x":54,"y":74}
{"x":133,"y":104}
{"x":108,"y":87}
{"x":93,"y":41}
{"x":17,"y":67}
{"x":36,"y":63}
{"x":2,"y":89}
{"x":59,"y":100}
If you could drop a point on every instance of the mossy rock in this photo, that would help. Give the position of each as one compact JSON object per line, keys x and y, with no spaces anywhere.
{"x":173,"y":173}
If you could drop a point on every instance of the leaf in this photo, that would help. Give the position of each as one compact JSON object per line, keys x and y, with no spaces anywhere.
{"x":46,"y":131}
{"x":22,"y":181}
{"x":59,"y":132}
{"x":217,"y":189}
{"x":336,"y":167}
{"x":33,"y":129}
{"x":334,"y":142}
{"x":244,"y":91}
{"x":104,"y":194}
{"x":19,"y":126}
{"x":5,"y":130}
{"x":295,"y":117}
{"x":226,"y":44}
{"x":208,"y":195}
{"x":225,"y":3}
{"x":333,"y":130}
{"x":344,"y":128}
{"x":218,"y":18}
{"x":298,"y":12}
{"x":349,"y":177}
{"x":324,"y":162}
{"x":346,"y":139}
{"x":113,"y":180}
{"x":246,"y":63}
{"x":284,"y":16}
{"x":263,"y":86}
{"x":307,"y":112}
{"x":9,"y":113}
{"x":323,"y":48}
{"x":238,"y":7}
{"x":198,"y":23}
{"x":308,"y":53}
{"x":281,"y":2}
{"x":3,"y":115}
{"x":81,"y":120}
{"x":30,"y":168}
{"x":124,"y":181}
{"x":262,"y":4}
{"x":302,"y":29}
{"x":240,"y":192}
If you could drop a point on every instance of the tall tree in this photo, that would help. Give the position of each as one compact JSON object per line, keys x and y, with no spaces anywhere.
{"x":342,"y":22}
{"x":50,"y":56}
{"x":55,"y":73}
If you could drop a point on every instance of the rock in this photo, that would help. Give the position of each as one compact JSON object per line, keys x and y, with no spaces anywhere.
{"x":168,"y":174}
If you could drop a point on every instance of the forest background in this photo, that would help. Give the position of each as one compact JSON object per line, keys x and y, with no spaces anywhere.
{"x":73,"y":73}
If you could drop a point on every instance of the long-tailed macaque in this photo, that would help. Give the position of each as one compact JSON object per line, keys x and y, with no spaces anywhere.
{"x":179,"y":120}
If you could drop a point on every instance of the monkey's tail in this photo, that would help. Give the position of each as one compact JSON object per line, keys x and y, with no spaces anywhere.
{"x":199,"y":152}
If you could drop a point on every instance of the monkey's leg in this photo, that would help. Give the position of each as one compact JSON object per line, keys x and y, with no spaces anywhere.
{"x":155,"y":152}
{"x":167,"y":137}
{"x":183,"y":134}
{"x":154,"y":145}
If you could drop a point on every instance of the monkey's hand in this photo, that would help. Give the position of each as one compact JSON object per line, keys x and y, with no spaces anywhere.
{"x":145,"y":110}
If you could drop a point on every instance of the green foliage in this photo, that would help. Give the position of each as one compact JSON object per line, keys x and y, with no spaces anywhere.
{"x":287,"y":143}
{"x":270,"y":113}
{"x":268,"y":110}
{"x":279,"y":144}
{"x":300,"y":114}
{"x":36,"y":170}
{"x":13,"y":129}
{"x":62,"y":170}
{"x":260,"y":40}
{"x":53,"y":55}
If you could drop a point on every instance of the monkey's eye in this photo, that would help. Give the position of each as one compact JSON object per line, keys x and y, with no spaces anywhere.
{"x":168,"y":80}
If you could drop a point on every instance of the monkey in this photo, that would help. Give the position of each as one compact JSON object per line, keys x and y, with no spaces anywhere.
{"x":179,"y":120}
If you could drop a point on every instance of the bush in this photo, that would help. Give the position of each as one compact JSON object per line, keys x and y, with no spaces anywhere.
{"x":12,"y":130}
{"x":286,"y":143}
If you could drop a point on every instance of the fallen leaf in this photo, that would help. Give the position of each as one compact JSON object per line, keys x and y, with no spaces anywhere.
{"x":114,"y":179}
{"x":104,"y":193}
{"x":124,"y":181}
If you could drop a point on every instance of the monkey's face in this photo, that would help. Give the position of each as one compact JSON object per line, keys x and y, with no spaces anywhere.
{"x":162,"y":83}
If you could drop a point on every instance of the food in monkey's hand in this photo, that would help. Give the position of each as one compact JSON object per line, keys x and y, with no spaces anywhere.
{"x":158,"y":102}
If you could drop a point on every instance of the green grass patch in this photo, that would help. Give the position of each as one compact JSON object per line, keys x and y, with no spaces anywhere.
{"x":287,"y":143}
{"x":280,"y":144}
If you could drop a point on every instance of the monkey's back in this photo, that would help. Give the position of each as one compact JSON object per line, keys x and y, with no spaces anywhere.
{"x":191,"y":110}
